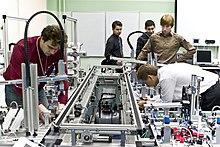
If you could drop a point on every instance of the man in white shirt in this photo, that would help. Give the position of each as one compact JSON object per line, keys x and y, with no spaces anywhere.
{"x":172,"y":77}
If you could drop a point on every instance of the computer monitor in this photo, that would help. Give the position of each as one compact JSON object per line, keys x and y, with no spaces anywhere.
{"x":203,"y":57}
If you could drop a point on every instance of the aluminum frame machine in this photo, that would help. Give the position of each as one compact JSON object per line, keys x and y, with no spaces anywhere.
{"x":102,"y":110}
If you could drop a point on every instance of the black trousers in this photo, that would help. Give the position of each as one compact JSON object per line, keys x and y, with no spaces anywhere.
{"x":111,"y":62}
{"x":211,"y":97}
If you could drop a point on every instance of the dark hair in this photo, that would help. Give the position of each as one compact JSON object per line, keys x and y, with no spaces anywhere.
{"x":149,"y":23}
{"x":116,"y":23}
{"x":53,"y":32}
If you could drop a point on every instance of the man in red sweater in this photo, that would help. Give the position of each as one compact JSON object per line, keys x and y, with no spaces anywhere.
{"x":44,"y":51}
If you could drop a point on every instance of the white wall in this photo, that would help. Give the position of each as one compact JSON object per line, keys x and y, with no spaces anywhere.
{"x":94,"y":28}
{"x":20,"y":9}
{"x":198,"y":19}
{"x":29,"y":7}
{"x":8,"y":7}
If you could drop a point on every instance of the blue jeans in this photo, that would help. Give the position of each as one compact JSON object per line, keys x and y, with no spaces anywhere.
{"x":11,"y":95}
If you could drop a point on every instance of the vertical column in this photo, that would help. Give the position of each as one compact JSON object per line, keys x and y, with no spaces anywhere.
{"x":34,"y":88}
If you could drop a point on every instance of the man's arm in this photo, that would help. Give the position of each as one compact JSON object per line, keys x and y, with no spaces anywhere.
{"x":108,"y":49}
{"x":140,"y":45}
{"x":189,"y":48}
{"x":14,"y":71}
{"x":145,"y":50}
{"x":108,"y":52}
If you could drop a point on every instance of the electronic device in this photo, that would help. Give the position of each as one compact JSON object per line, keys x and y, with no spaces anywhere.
{"x":203,"y":57}
{"x":210,"y":41}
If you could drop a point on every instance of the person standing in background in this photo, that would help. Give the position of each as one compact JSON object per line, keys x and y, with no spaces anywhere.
{"x":142,"y":40}
{"x":166,"y":44}
{"x":114,"y":46}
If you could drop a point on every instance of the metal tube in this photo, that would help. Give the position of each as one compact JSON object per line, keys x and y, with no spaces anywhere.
{"x":34,"y":85}
{"x":5,"y":36}
{"x":30,"y":110}
{"x":61,"y":68}
{"x":193,"y":96}
{"x":40,"y":79}
{"x":23,"y":71}
{"x":17,"y":18}
{"x":130,"y":60}
{"x":73,"y":137}
{"x":73,"y":29}
{"x":100,"y":127}
{"x":197,"y":95}
{"x":123,"y":138}
{"x":135,"y":111}
{"x":71,"y":19}
{"x":75,"y":95}
{"x":75,"y":33}
{"x":27,"y":98}
{"x":5,"y":42}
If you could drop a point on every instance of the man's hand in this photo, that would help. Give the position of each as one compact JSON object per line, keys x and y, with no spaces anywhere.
{"x":60,"y":107}
{"x":144,"y":101}
{"x":141,"y":103}
{"x":42,"y":110}
{"x":134,"y":65}
{"x":119,"y":62}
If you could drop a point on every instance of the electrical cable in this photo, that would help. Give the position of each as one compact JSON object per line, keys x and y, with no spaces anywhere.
{"x":129,"y":43}
{"x":208,"y":138}
{"x":213,"y":108}
{"x":26,"y":43}
{"x":14,"y":102}
{"x":188,"y":131}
